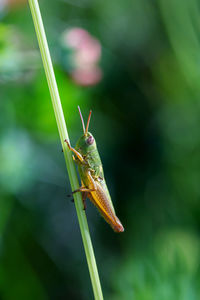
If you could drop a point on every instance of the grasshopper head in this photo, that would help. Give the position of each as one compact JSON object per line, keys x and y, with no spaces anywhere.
{"x":86,"y":142}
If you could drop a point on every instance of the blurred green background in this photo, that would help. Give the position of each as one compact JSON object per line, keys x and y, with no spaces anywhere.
{"x":138,"y":69}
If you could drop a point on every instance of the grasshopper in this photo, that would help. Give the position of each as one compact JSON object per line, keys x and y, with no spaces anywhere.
{"x":93,"y":183}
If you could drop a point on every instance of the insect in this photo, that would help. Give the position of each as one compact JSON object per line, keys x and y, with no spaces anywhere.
{"x":93,"y":183}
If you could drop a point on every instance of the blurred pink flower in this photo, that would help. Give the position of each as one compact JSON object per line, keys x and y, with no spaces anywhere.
{"x":89,"y":53}
{"x":87,"y":77}
{"x":86,"y":56}
{"x":12,"y":3}
{"x":16,"y":2}
{"x":74,"y":37}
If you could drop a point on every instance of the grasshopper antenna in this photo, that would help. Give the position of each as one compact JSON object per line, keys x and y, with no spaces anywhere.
{"x":88,"y":122}
{"x":81,"y":119}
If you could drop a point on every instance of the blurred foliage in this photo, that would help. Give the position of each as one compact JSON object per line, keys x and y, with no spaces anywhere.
{"x":146,"y":117}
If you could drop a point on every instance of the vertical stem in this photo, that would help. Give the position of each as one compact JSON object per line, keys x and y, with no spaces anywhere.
{"x":42,"y":41}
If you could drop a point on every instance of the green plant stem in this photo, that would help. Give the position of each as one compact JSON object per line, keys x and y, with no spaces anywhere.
{"x":42,"y":41}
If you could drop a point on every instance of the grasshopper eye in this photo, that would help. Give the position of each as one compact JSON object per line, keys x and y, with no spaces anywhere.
{"x":90,"y":140}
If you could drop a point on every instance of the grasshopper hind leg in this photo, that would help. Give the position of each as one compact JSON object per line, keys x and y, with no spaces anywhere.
{"x":84,"y":197}
{"x":84,"y":191}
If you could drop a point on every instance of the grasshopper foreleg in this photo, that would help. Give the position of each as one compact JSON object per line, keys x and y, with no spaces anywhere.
{"x":79,"y":156}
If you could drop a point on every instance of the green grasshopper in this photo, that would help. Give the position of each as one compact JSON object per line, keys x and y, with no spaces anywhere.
{"x":93,"y":183}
